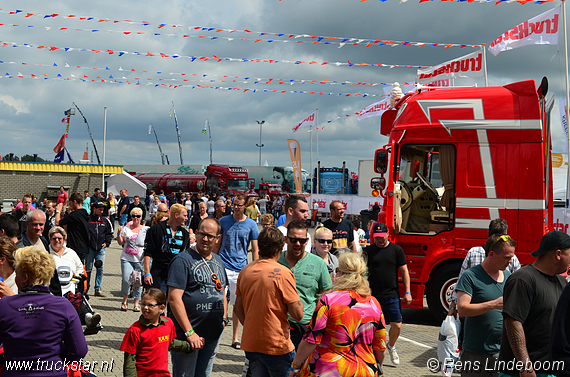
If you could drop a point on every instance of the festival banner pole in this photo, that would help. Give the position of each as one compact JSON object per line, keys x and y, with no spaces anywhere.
{"x":317,"y":127}
{"x":104,"y":146}
{"x":567,"y":94}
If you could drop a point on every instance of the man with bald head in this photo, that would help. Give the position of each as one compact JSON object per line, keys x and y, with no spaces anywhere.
{"x":162,"y":207}
{"x":36,"y":220}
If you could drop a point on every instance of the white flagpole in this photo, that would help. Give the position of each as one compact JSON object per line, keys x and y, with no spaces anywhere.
{"x":485,"y":64}
{"x":104,"y":145}
{"x":311,"y":142}
{"x":317,"y":127}
{"x":567,"y":93}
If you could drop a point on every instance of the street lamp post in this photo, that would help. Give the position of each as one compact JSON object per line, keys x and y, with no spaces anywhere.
{"x":260,"y":145}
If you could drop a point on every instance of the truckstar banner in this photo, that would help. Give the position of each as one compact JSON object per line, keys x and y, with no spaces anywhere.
{"x":308,"y":121}
{"x":540,"y":30}
{"x":374,"y":110}
{"x":466,"y":66}
{"x":295,"y":151}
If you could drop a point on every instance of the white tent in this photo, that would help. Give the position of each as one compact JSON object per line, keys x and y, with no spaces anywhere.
{"x":118,"y":182}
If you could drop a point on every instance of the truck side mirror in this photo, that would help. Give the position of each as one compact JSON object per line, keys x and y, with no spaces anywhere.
{"x":378,"y":183}
{"x":381,"y":161}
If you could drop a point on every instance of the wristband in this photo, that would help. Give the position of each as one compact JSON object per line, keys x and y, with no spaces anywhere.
{"x":408,"y":293}
{"x":145,"y":275}
{"x":294,"y":370}
{"x":297,"y":367}
{"x":189,"y":332}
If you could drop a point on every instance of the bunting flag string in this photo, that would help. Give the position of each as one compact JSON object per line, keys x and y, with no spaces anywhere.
{"x":290,"y":38}
{"x":113,"y":80}
{"x":205,"y":58}
{"x":215,"y":78}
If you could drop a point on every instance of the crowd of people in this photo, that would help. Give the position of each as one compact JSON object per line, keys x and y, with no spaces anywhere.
{"x":309,"y":305}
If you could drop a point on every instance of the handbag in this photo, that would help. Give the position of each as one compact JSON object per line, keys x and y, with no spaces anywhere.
{"x":136,"y":278}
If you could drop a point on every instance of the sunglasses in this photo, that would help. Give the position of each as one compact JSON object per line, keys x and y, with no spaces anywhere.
{"x":266,"y":225}
{"x":206,"y":235}
{"x":136,"y":216}
{"x":294,"y":240}
{"x":217,"y":281}
{"x":150,"y":306}
{"x":321,"y":240}
{"x":57,"y":238}
{"x":504,"y":238}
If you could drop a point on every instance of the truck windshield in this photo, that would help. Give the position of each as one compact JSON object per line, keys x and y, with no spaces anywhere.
{"x":236,"y":185}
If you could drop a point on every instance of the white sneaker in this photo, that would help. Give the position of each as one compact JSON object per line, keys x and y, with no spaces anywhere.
{"x":393,"y":355}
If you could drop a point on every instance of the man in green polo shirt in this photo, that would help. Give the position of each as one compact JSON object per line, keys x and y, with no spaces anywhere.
{"x":311,"y":276}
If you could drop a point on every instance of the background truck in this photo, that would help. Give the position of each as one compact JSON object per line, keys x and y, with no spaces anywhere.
{"x":456,"y":159}
{"x":331,"y":181}
{"x":271,"y":189}
{"x":219,"y":179}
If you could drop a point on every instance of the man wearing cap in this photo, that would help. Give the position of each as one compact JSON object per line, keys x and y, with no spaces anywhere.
{"x":480,"y":300}
{"x":100,"y":236}
{"x":384,"y":259}
{"x":529,"y":301}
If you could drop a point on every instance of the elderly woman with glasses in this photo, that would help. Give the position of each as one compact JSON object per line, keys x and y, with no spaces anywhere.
{"x":322,"y":245}
{"x":36,"y":325}
{"x":62,"y":255}
{"x":132,"y":239}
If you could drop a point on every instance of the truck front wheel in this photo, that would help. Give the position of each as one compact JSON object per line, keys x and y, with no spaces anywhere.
{"x":440,"y":289}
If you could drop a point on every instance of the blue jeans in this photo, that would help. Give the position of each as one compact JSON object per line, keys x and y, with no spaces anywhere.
{"x":263,"y":365}
{"x":126,"y":269}
{"x":123,"y":219}
{"x":91,"y":257}
{"x":198,"y":363}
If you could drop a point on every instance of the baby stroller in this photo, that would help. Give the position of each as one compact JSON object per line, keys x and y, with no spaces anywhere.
{"x":70,"y":289}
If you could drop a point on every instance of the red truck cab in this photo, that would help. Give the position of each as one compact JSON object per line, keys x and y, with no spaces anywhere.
{"x":456,"y":159}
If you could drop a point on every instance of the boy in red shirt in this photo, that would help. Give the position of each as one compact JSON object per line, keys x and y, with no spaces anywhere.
{"x":147,"y":341}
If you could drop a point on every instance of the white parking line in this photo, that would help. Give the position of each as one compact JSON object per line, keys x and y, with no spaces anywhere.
{"x":416,"y":343}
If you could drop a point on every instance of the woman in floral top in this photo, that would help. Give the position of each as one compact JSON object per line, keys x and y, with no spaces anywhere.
{"x":347,"y":333}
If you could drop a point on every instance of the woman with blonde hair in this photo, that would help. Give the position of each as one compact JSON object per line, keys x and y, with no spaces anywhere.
{"x":132,"y":238}
{"x":198,"y":216}
{"x":251,"y":210}
{"x":322,"y":245}
{"x":8,"y":285}
{"x":347,"y":333}
{"x":36,"y":325}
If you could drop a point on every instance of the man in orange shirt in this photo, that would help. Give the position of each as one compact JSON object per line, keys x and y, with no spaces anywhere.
{"x":266,"y":292}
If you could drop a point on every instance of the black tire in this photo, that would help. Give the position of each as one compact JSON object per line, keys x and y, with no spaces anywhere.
{"x":440,"y":288}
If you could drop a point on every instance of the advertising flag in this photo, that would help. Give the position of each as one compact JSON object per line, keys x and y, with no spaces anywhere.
{"x":374,"y":110}
{"x":295,"y":151}
{"x":470,"y":65}
{"x":307,"y":122}
{"x":60,"y":145}
{"x":59,"y":157}
{"x":540,"y":30}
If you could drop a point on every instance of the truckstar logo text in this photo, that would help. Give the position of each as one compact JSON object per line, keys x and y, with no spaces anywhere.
{"x":465,"y":64}
{"x":528,"y":28}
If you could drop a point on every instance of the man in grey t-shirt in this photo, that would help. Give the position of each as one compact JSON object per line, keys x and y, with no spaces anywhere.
{"x":196,"y":283}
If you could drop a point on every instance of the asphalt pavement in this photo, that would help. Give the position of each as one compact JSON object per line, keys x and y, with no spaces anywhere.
{"x":416,"y":346}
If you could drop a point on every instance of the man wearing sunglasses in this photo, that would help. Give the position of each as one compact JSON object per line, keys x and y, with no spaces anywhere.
{"x":196,"y":283}
{"x":296,"y":209}
{"x":100,"y":236}
{"x":480,"y":301}
{"x":311,"y":275}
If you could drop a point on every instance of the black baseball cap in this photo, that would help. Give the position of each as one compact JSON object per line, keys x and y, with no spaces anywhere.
{"x":379,"y":230}
{"x":552,"y":241}
{"x":98,"y":205}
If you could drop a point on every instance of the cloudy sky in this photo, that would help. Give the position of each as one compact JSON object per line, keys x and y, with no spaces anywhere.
{"x":32,"y":108}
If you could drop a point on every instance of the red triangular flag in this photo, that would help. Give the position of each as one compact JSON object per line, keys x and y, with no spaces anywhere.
{"x":60,"y":145}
